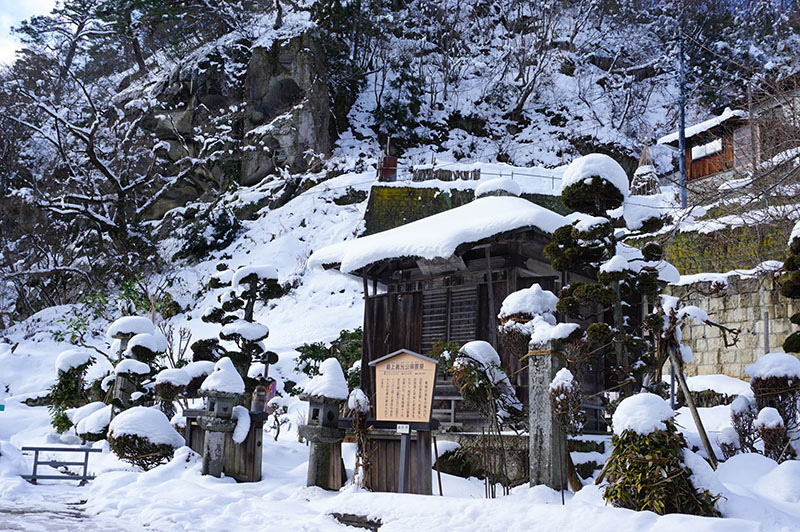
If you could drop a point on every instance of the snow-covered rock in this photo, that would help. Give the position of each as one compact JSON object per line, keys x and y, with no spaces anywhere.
{"x":594,"y":166}
{"x":775,"y":365}
{"x":242,"y":417}
{"x":330,"y":381}
{"x":498,"y":186}
{"x":263,"y":272}
{"x":745,"y":468}
{"x":173,"y":376}
{"x":642,"y":413}
{"x":224,"y":378}
{"x":130,"y":325}
{"x":72,"y":358}
{"x":130,"y":365}
{"x":146,"y":423}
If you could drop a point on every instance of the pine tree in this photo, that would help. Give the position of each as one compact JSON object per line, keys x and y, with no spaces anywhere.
{"x":597,"y":186}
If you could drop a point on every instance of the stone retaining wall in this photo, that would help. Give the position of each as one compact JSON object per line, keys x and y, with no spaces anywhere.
{"x":741,"y":305}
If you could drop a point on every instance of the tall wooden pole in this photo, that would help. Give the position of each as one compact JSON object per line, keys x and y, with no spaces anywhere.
{"x":682,"y":117}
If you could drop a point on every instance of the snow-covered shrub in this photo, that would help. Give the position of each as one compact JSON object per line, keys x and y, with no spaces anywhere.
{"x":527,"y":318}
{"x":329,"y":381}
{"x":212,"y":230}
{"x":775,"y":381}
{"x":143,"y":437}
{"x":728,"y":441}
{"x":197,"y":371}
{"x":646,"y":469}
{"x":68,"y":391}
{"x":94,"y":426}
{"x":346,"y":349}
{"x":772,"y":430}
{"x":358,"y":406}
{"x":566,"y":399}
{"x":478,"y":375}
{"x":743,"y":417}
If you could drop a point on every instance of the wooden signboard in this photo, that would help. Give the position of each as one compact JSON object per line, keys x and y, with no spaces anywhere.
{"x":404,"y":383}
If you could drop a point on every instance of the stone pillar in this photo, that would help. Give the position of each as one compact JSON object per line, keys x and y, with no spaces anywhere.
{"x":548,"y":443}
{"x":123,"y":384}
{"x":325,"y":467}
{"x":216,"y":423}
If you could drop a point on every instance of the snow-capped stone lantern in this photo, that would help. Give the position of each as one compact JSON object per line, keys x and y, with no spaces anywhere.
{"x":325,"y":394}
{"x":222,"y":390}
{"x":122,"y":331}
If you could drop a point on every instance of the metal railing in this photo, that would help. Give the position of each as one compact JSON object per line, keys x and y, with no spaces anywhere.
{"x":59,"y":463}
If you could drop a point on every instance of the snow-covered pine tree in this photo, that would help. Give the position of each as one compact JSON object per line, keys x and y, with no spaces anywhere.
{"x":235,"y":313}
{"x":597,"y":186}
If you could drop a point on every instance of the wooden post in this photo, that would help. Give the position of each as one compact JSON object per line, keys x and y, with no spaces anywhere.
{"x":675,"y":361}
{"x":490,"y":295}
{"x":405,"y":455}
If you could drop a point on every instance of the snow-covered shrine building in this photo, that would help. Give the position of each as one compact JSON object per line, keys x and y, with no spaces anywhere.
{"x":428,"y":280}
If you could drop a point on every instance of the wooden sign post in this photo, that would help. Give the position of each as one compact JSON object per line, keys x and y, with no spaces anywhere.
{"x":404,"y":382}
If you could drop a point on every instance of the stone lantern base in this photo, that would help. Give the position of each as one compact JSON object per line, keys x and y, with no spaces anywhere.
{"x":325,"y":468}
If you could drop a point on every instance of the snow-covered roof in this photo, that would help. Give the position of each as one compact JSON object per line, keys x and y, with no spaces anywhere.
{"x":704,"y":126}
{"x":439,"y":235}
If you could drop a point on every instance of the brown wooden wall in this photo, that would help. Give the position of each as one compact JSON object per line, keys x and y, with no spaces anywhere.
{"x":242,"y":460}
{"x":712,"y":164}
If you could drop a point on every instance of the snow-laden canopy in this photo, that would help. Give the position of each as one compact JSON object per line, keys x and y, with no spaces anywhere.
{"x":224,"y":378}
{"x":768,"y":418}
{"x":155,"y":342}
{"x":199,"y":368}
{"x":130,"y":325}
{"x":330,"y":381}
{"x":146,"y":423}
{"x":262,"y":272}
{"x":704,"y":126}
{"x":72,"y":358}
{"x":250,"y":331}
{"x":775,"y":365}
{"x":131,"y":365}
{"x":593,"y":166}
{"x":439,"y":235}
{"x":173,"y":376}
{"x":94,"y":423}
{"x":642,"y":413}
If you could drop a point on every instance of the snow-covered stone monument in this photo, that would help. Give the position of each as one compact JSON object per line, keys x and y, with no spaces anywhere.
{"x":222,"y":390}
{"x":325,"y":394}
{"x":122,"y":331}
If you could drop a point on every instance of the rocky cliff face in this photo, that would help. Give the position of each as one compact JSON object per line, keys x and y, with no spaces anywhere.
{"x":240,"y":113}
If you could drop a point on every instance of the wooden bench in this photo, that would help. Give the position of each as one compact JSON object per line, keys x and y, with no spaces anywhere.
{"x":56,"y":463}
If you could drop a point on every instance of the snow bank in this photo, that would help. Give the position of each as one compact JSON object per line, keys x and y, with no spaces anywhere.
{"x":439,"y":235}
{"x":358,"y":401}
{"x":642,"y":413}
{"x":130,"y":325}
{"x":130,"y":365}
{"x":154,"y":342}
{"x":745,"y":468}
{"x":263,"y":272}
{"x":596,"y":165}
{"x":72,"y":358}
{"x":782,"y":482}
{"x":719,"y":383}
{"x":96,"y":422}
{"x":505,"y":184}
{"x":242,"y":417}
{"x":12,"y":463}
{"x":775,"y":365}
{"x":173,"y":376}
{"x":224,"y":378}
{"x":768,"y":418}
{"x":330,"y":381}
{"x":250,"y":331}
{"x":146,"y":423}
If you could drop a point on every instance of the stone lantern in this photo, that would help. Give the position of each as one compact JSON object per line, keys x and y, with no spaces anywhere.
{"x":222,"y":390}
{"x":325,"y":394}
{"x":217,"y":421}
